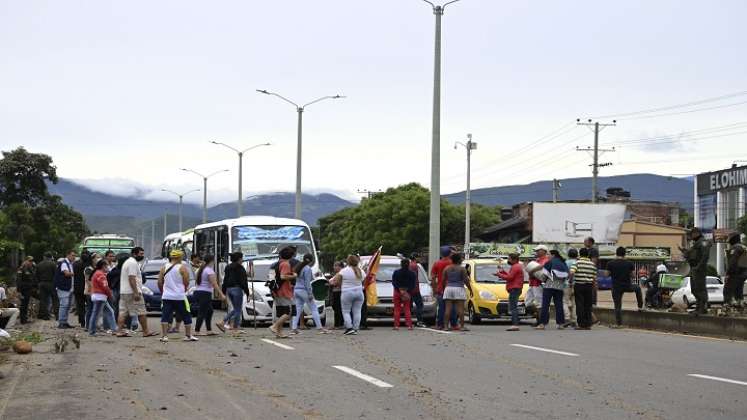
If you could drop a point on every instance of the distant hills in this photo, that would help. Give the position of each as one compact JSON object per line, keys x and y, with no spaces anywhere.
{"x":646,"y":187}
{"x":137,"y":217}
{"x":132,"y":215}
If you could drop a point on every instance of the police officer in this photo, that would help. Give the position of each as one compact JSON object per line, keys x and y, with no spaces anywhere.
{"x":736,"y":272}
{"x":26,"y":285}
{"x":697,"y":257}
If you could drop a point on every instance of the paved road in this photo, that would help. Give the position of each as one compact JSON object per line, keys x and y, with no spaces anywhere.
{"x":487,"y":373}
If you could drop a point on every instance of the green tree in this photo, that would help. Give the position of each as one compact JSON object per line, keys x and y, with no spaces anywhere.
{"x":397,"y":220}
{"x":33,"y":219}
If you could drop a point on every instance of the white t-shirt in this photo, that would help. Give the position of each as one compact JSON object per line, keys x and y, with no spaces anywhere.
{"x":173,"y":284}
{"x":130,"y":268}
{"x":349,"y":279}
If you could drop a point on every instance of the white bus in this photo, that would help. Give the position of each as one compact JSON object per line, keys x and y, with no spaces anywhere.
{"x":180,"y":240}
{"x":260,"y":239}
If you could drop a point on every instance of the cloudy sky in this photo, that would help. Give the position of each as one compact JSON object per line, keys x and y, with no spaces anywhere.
{"x":125,"y":93}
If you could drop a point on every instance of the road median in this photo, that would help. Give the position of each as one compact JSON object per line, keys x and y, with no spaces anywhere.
{"x":708,"y":325}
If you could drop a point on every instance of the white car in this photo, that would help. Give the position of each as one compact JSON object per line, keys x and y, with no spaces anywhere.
{"x":683,"y":297}
{"x":262,"y":301}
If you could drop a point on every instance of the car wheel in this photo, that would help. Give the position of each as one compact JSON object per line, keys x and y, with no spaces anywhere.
{"x":474,"y":318}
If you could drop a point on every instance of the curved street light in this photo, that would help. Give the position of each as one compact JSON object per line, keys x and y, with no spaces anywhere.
{"x":299,"y":110}
{"x":240,"y":202}
{"x":204,"y":189}
{"x":181,"y":203}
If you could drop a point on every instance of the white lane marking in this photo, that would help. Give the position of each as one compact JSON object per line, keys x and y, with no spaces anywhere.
{"x":359,"y":375}
{"x":563,"y":353}
{"x":716,"y":378}
{"x":275,"y":343}
{"x":435,"y":331}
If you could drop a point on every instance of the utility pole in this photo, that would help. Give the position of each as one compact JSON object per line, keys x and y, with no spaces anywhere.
{"x":434,"y":230}
{"x":595,"y":152}
{"x":153,"y":237}
{"x":556,"y":190}
{"x":469,"y":146}
{"x":165,"y":223}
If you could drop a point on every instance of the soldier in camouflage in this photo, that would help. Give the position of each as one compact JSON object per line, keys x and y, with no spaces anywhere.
{"x":697,"y":257}
{"x":736,"y":272}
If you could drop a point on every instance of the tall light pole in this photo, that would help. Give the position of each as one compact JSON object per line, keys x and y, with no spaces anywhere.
{"x":204,"y":189}
{"x":240,"y":201}
{"x":470,"y":146}
{"x":434,"y":236}
{"x":299,"y":110}
{"x":181,"y":203}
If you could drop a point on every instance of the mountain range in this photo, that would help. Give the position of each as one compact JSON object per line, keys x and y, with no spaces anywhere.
{"x":140,"y":217}
{"x":643,"y":187}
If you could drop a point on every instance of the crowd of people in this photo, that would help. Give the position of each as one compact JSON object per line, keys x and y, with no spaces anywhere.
{"x":106,"y":290}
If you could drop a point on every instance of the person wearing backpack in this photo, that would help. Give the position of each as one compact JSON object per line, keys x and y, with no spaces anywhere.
{"x":736,"y":272}
{"x":63,"y":283}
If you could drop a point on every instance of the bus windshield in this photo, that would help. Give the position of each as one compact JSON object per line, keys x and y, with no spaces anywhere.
{"x":266,"y":241}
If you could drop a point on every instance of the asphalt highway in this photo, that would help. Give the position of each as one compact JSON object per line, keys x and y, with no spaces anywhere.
{"x":487,"y":373}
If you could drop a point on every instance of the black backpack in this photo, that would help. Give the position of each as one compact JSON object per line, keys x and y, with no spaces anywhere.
{"x":60,"y":281}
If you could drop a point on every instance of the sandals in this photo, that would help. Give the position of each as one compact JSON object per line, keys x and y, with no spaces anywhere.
{"x":123,"y":334}
{"x":150,"y":334}
{"x":220,"y":326}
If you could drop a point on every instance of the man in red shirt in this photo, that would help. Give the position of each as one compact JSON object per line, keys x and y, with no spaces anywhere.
{"x":514,"y":285}
{"x":438,"y":283}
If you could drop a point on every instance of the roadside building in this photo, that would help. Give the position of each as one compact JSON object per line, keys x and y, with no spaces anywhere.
{"x":719,"y":203}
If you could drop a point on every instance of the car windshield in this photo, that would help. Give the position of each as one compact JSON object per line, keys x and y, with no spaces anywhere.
{"x":713,"y":281}
{"x":266,"y":241}
{"x":484,"y":274}
{"x":384,"y":275}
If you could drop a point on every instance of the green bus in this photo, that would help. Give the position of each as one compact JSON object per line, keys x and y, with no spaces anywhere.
{"x":102,"y":243}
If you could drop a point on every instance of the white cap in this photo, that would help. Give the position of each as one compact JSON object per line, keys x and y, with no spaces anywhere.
{"x":661,"y":268}
{"x":541,"y":248}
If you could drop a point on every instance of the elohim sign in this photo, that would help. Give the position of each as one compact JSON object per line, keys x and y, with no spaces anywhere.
{"x":712,"y":182}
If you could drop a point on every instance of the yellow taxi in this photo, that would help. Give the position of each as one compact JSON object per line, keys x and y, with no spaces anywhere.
{"x":490,"y":297}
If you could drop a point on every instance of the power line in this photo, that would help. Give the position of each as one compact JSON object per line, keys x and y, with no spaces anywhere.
{"x":686,"y":112}
{"x":666,"y":108}
{"x":732,"y":126}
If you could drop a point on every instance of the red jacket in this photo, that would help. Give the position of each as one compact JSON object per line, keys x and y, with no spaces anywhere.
{"x":514,"y":278}
{"x":99,"y":284}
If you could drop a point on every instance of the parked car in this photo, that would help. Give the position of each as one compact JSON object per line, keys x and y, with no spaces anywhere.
{"x":684,"y":297}
{"x":262,"y":301}
{"x":151,"y":293}
{"x":490,"y":298}
{"x":385,"y":307}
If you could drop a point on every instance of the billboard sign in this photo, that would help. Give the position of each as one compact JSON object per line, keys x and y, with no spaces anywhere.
{"x":712,"y":182}
{"x":572,"y":222}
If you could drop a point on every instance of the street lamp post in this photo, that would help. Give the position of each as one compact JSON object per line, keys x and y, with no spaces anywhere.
{"x":434,"y":236}
{"x":470,"y":146}
{"x":299,"y":110}
{"x":204,"y":189}
{"x":181,"y":204}
{"x":240,"y":202}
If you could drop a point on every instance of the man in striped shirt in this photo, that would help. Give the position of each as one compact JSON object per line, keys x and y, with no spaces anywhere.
{"x":584,"y":277}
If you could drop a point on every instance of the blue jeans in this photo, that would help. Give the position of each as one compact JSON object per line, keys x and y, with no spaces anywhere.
{"x":556,"y":295}
{"x":302,"y":298}
{"x":98,"y":306}
{"x":64,"y":297}
{"x":442,"y":313}
{"x":236,"y":296}
{"x":417,"y":300}
{"x":352,"y":303}
{"x":513,"y":305}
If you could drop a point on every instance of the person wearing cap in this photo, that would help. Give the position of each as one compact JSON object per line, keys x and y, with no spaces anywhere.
{"x":653,"y":298}
{"x":173,"y":281}
{"x":533,"y":297}
{"x":736,"y":272}
{"x":697,"y":257}
{"x":438,"y":284}
{"x":25,"y":284}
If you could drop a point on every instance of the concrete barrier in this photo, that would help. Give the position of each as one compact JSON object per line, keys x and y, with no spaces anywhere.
{"x":727,"y":327}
